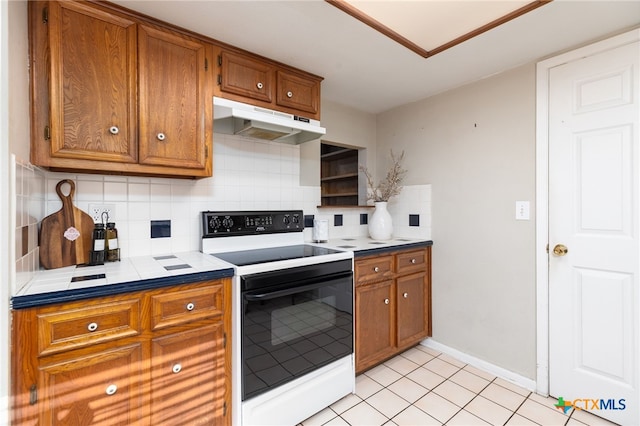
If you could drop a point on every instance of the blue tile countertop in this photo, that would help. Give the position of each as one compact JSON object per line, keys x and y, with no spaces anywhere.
{"x":130,"y":274}
{"x":365,"y":246}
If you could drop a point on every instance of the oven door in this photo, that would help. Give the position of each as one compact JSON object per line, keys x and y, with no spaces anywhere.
{"x":291,"y":326}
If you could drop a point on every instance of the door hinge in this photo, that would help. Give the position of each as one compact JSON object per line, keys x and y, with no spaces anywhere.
{"x":47,"y":133}
{"x":206,"y":151}
{"x":45,"y":15}
{"x":33,"y":395}
{"x":224,"y":340}
{"x":547,"y":248}
{"x":219,"y":60}
{"x":224,"y":408}
{"x":219,"y":79}
{"x":206,"y":64}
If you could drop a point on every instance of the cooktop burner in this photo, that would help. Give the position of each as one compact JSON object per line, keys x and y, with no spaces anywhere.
{"x":273,"y":254}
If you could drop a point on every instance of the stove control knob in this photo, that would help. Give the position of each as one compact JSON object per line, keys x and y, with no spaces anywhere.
{"x":214,"y":223}
{"x":287,"y":219}
{"x":227,"y":222}
{"x":296,"y":218}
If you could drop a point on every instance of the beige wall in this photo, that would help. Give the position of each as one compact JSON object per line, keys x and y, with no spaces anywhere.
{"x":476,"y":146}
{"x":15,"y":139}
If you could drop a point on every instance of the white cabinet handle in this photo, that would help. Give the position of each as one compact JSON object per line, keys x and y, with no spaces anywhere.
{"x":376,"y":269}
{"x":92,"y":327}
{"x":161,"y":136}
{"x":289,"y":94}
{"x":386,"y":301}
{"x":114,"y":130}
{"x":405,"y":295}
{"x":413,"y":261}
{"x":259,"y":85}
{"x":111,"y":389}
{"x":176,"y":368}
{"x":190,"y":306}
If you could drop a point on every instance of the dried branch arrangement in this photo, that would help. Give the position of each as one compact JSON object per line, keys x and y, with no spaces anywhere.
{"x":391,"y":185}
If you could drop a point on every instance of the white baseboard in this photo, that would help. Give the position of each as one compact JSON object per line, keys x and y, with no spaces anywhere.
{"x":500,"y":372}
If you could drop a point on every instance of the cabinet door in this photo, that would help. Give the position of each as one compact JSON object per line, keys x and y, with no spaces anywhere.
{"x":175,"y":99}
{"x":101,"y":388}
{"x":375,"y":323}
{"x":413,"y":309}
{"x":93,"y":84}
{"x":188,"y":377}
{"x":297,"y":92}
{"x":245,"y":76}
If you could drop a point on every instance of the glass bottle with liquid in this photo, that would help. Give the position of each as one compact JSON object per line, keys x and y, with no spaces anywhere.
{"x":112,"y":249}
{"x":96,"y":256}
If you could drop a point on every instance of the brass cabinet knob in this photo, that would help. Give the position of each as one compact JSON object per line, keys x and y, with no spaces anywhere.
{"x":376,"y":269}
{"x":190,"y":306}
{"x":386,"y":301}
{"x":111,"y":390}
{"x":405,"y":295}
{"x":560,"y":250}
{"x":176,"y":368}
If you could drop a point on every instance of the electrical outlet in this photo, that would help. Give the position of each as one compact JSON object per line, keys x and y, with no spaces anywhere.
{"x":96,"y":211}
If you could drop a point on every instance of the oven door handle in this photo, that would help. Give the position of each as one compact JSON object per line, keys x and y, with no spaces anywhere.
{"x":252,"y":297}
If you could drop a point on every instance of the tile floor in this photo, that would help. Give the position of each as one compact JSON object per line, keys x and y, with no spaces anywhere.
{"x":424,"y":387}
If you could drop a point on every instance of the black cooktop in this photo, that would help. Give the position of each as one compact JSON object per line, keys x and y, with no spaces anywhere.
{"x":273,"y":254}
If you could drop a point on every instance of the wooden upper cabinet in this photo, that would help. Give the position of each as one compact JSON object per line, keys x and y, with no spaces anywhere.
{"x":175,"y":96}
{"x":116,"y":93}
{"x":93,"y":83}
{"x":298,"y":92}
{"x":242,"y":75}
{"x":258,"y":81}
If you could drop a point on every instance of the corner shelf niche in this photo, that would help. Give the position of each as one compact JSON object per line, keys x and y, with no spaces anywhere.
{"x":338,"y":175}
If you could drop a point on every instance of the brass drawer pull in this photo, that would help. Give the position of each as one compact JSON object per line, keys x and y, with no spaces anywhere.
{"x":413,"y":261}
{"x":386,"y":301}
{"x":190,"y":306}
{"x":92,"y":327}
{"x":405,"y":295}
{"x":376,"y":269}
{"x":176,"y":368}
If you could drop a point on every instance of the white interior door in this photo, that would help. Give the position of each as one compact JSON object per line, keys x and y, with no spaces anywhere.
{"x":594,"y":190}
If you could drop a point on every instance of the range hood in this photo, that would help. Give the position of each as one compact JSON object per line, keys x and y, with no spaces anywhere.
{"x":236,"y":118}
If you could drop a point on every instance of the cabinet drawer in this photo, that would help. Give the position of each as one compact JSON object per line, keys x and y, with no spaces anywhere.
{"x":66,"y":329}
{"x":187,"y":305}
{"x":412,"y":261}
{"x":375,"y":269}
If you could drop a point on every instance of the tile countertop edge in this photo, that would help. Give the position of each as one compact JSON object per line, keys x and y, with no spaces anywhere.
{"x":41,"y":299}
{"x":386,"y":249}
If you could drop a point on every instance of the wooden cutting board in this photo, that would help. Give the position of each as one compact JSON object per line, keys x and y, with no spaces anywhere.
{"x":66,"y":235}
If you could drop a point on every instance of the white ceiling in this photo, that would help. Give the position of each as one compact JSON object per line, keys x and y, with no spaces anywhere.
{"x":368,"y":71}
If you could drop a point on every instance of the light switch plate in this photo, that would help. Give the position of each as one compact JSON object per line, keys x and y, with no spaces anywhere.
{"x":522,"y":210}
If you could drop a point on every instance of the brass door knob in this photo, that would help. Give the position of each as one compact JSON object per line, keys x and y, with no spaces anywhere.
{"x":560,"y":250}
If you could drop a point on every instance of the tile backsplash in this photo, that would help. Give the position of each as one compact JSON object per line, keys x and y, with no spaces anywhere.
{"x":247,"y":175}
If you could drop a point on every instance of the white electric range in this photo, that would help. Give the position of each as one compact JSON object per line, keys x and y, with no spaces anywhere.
{"x":292,"y":316}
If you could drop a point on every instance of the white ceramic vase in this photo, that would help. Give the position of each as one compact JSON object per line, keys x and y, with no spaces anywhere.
{"x":380,"y":225}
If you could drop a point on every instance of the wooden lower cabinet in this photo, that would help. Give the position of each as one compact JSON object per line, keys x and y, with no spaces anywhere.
{"x":188,"y":376}
{"x":99,"y":388}
{"x":178,"y":375}
{"x":392,"y":304}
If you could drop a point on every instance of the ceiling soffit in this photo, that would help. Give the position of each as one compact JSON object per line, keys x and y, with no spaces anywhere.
{"x":429,"y":27}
